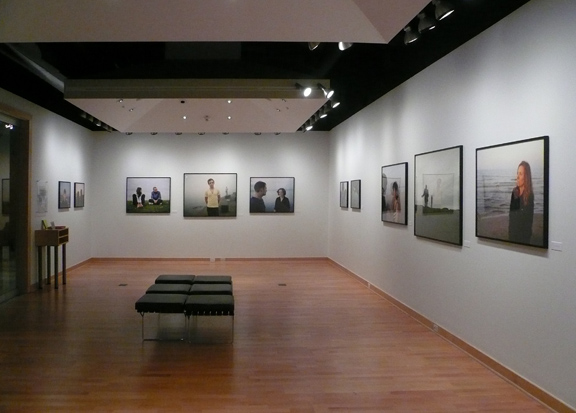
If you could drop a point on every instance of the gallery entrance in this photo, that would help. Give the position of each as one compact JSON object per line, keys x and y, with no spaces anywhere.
{"x":14,"y":206}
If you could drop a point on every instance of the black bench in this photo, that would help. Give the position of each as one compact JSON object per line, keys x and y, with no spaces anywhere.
{"x":161,"y":304}
{"x":191,"y":295}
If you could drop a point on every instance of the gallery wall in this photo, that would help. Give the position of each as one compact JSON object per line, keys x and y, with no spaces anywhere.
{"x":300,"y":234}
{"x":516,"y":304}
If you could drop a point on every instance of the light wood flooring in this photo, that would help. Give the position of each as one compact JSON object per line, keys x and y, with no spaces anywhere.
{"x":307,"y":338}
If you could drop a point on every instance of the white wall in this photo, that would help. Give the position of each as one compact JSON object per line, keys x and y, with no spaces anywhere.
{"x":302,"y":234}
{"x":517,"y":304}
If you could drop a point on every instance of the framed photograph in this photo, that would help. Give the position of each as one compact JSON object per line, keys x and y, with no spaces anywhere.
{"x":512,"y":192}
{"x":280,"y":199}
{"x":344,"y":194}
{"x":79,"y":193}
{"x":64,"y":194}
{"x":438,"y":195}
{"x":395,"y":193}
{"x":210,"y":195}
{"x":148,"y":195}
{"x":355,"y":194}
{"x":5,"y":196}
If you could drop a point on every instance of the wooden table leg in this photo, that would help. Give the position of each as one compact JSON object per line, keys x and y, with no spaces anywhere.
{"x":39,"y":267}
{"x":63,"y":263}
{"x":56,"y":268}
{"x":48,"y":265}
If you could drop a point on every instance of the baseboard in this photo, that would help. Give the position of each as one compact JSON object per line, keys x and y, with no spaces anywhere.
{"x":504,"y":372}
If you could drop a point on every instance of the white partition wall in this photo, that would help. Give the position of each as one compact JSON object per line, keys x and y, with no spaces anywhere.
{"x":298,"y":234}
{"x":516,"y":304}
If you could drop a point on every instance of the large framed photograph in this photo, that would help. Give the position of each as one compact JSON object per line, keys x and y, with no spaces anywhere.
{"x":79,"y":193}
{"x":271,"y":194}
{"x":64,"y":194}
{"x":512,"y":192}
{"x":209,"y":195}
{"x":355,"y":194}
{"x":344,"y":194}
{"x":147,"y":195}
{"x":395,"y":193}
{"x":438,"y":195}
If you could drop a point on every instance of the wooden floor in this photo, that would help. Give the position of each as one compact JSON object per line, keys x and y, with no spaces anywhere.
{"x":307,"y":338}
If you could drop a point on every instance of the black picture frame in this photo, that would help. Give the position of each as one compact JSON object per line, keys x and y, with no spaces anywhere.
{"x":79,"y":194}
{"x":64,"y":194}
{"x":276,"y":203}
{"x":512,"y":192}
{"x":356,"y":194}
{"x":202,"y":201}
{"x":344,"y":194}
{"x":438,"y":195}
{"x":140,"y":198}
{"x":394,"y":179}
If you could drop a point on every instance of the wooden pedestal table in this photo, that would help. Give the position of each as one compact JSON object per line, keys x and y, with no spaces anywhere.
{"x":51,"y":238}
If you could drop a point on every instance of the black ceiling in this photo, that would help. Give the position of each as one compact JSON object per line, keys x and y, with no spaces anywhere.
{"x":359,"y":75}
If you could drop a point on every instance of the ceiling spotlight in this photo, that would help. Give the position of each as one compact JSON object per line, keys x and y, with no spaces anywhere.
{"x":426,"y":23}
{"x":178,"y":133}
{"x":229,"y":101}
{"x":443,"y":9}
{"x":335,"y":104}
{"x":344,"y":45}
{"x":201,"y":133}
{"x":313,"y":45}
{"x":184,"y":117}
{"x":225,"y":133}
{"x":257,"y":133}
{"x":153,"y":133}
{"x":410,"y":36}
{"x":327,"y":92}
{"x":276,"y":133}
{"x":9,"y":126}
{"x":306,"y":91}
{"x":128,"y":133}
{"x":309,"y":125}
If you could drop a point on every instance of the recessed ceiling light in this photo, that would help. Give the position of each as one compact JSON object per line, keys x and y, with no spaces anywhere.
{"x":184,"y":117}
{"x":229,"y":101}
{"x":229,"y":117}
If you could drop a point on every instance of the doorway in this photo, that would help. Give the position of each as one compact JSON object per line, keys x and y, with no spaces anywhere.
{"x":14,"y":205}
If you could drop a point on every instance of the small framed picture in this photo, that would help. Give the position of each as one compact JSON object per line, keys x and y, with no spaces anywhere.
{"x":79,"y":193}
{"x":355,"y":194}
{"x":344,"y":194}
{"x":64,"y":194}
{"x":271,"y":194}
{"x":147,"y":195}
{"x":395,"y":193}
{"x":512,"y":192}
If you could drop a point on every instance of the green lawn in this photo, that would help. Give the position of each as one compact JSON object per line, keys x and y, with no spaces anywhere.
{"x":148,"y":208}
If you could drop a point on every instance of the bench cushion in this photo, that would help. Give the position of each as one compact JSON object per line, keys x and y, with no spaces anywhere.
{"x":169,"y":289}
{"x":213,"y":279}
{"x":175,"y":279}
{"x":161,"y":303}
{"x":211,"y":289}
{"x":209,"y":304}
